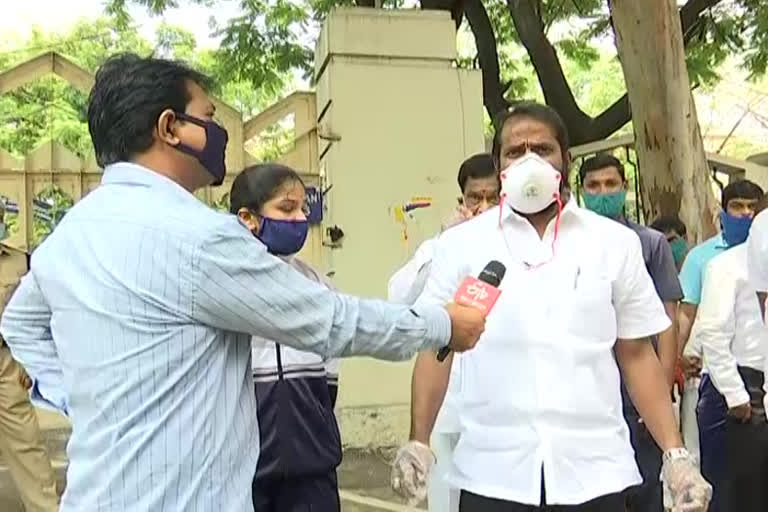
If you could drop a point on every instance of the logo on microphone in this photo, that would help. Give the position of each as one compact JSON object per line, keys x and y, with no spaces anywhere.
{"x":477,"y":294}
{"x":477,"y":291}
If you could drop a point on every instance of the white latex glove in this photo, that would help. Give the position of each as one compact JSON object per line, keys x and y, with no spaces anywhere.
{"x":688,"y":489}
{"x":410,"y":471}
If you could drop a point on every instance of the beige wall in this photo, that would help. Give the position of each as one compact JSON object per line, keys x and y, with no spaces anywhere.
{"x":406,"y":119}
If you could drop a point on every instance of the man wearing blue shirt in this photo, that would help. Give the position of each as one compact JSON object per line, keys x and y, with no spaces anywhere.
{"x":138,"y":310}
{"x":739,"y":200}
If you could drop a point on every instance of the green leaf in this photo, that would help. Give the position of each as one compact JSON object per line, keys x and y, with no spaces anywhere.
{"x":579,"y":51}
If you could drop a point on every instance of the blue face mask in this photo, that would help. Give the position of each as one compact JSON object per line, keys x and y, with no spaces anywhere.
{"x":283,"y":237}
{"x":735,"y":229}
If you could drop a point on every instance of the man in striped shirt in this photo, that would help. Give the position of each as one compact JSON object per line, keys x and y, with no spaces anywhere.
{"x":137,"y":314}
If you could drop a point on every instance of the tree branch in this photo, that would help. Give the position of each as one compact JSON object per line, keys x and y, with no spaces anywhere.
{"x":487,"y":52}
{"x":609,"y":120}
{"x":557,"y":92}
{"x":689,"y":13}
{"x":554,"y":85}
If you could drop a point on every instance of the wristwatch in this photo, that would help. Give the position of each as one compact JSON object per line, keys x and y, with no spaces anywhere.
{"x":674,"y":454}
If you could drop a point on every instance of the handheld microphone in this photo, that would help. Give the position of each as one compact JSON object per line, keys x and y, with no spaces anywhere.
{"x":480,"y":293}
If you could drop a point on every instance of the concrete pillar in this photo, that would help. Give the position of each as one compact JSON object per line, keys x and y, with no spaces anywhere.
{"x":395,"y":120}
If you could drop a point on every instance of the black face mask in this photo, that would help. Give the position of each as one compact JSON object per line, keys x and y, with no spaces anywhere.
{"x":212,"y":155}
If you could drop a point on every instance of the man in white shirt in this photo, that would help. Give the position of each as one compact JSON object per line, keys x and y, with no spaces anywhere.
{"x":734,"y":340}
{"x":540,"y":406}
{"x":479,"y":184}
{"x":739,"y":200}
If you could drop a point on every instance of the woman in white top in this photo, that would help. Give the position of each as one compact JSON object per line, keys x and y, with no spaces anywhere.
{"x":295,"y":391}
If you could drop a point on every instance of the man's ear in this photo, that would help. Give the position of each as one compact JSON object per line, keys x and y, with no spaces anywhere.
{"x":165,"y":127}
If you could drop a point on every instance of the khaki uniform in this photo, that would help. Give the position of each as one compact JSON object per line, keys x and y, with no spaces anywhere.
{"x":20,"y":443}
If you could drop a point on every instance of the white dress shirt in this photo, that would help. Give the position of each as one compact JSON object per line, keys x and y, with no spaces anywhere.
{"x":541,"y":389}
{"x":405,"y":286}
{"x":757,"y":267}
{"x":136,"y":318}
{"x":407,"y":283}
{"x":729,"y":325}
{"x":757,"y":252}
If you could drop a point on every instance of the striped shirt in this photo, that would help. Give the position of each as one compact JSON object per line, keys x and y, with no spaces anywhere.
{"x":136,"y":318}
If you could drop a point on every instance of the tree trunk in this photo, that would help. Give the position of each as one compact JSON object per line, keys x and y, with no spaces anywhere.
{"x":488,"y":55}
{"x":673,"y":166}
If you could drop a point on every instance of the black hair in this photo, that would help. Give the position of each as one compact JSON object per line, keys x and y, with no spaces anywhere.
{"x":761,"y":205}
{"x":601,"y":161}
{"x":476,"y":166}
{"x":742,"y":189}
{"x":128,"y":95}
{"x":257,"y":184}
{"x":668,"y":223}
{"x":537,"y":112}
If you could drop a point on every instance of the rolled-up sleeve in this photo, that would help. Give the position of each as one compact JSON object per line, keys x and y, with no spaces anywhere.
{"x":444,"y":278}
{"x":639,"y":311}
{"x":26,"y":328}
{"x":240,"y":287}
{"x":757,"y":253}
{"x":408,"y":282}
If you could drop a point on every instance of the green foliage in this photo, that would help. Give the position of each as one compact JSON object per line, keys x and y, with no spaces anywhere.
{"x":60,"y":202}
{"x":579,"y":51}
{"x":41,"y":111}
{"x":263,"y":42}
{"x":50,"y":109}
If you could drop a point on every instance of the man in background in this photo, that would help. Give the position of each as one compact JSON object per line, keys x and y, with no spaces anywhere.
{"x":739,"y":200}
{"x":20,"y":443}
{"x":677,"y":236}
{"x":604,"y":186}
{"x":735,"y":342}
{"x":479,"y":185}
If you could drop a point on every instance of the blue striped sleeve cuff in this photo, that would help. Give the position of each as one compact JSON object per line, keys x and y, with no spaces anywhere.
{"x":51,"y":399}
{"x":437,"y":325}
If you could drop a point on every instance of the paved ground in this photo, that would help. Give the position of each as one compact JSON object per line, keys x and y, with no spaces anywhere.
{"x":363,"y":476}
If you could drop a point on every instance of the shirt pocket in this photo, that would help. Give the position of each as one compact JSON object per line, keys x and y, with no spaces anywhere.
{"x":590,"y":318}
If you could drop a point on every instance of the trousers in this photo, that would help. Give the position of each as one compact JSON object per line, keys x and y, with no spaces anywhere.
{"x":746,"y":482}
{"x":688,"y":422}
{"x":648,"y":496}
{"x":475,"y":503}
{"x":315,"y":493}
{"x":441,"y":497}
{"x":20,"y":443}
{"x":712,"y":412}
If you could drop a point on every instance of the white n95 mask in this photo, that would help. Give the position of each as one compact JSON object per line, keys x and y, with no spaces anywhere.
{"x":530,"y":184}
